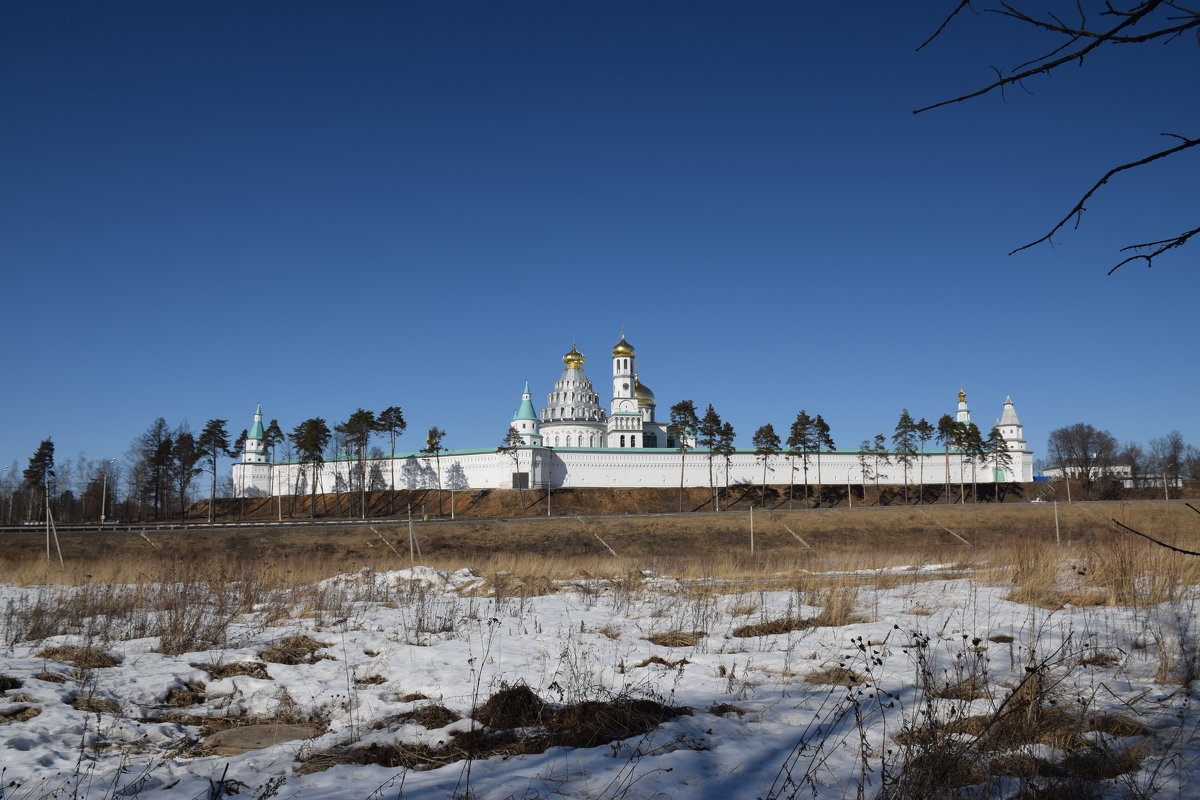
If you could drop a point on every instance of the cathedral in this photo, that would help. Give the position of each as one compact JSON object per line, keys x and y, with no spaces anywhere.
{"x":574,"y":441}
{"x":573,"y":416}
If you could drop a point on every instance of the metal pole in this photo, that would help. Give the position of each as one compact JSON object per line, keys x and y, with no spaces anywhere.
{"x":1166,"y":495}
{"x":752,"y":529}
{"x":411,"y":555}
{"x":1057,"y":540}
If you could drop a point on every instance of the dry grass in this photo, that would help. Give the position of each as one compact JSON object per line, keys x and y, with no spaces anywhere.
{"x":516,"y":722}
{"x":216,"y":672}
{"x":677,"y":638}
{"x":838,"y":611}
{"x":81,"y":657}
{"x":296,"y":649}
{"x":560,"y":548}
{"x":835,"y":676}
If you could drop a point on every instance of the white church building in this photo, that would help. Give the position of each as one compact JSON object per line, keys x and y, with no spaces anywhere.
{"x":576,"y":442}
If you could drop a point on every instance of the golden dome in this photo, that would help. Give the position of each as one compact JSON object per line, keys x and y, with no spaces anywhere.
{"x":622,"y":348}
{"x":573,"y":359}
{"x":962,"y":396}
{"x":642,"y":392}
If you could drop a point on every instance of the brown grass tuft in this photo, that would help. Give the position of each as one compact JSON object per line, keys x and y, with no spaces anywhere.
{"x":254,"y":669}
{"x":511,"y":707}
{"x":677,"y":638}
{"x":81,"y":657}
{"x":835,"y":676}
{"x":297,"y":649}
{"x":7,"y":683}
{"x":20,"y":714}
{"x":96,"y":705}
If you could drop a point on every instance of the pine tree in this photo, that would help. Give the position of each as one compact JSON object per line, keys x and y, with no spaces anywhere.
{"x":357,"y":432}
{"x":187,"y":456}
{"x":766,"y":444}
{"x":925,"y":433}
{"x":309,"y":439}
{"x":947,"y":434}
{"x":212,"y":444}
{"x":800,"y":442}
{"x":821,"y":441}
{"x":433,"y":447}
{"x":1002,"y":459}
{"x":726,"y":449}
{"x":39,"y":475}
{"x":273,"y":436}
{"x":881,"y":454}
{"x":708,"y":435}
{"x":864,"y":464}
{"x":904,"y":443}
{"x":683,"y":425}
{"x":391,"y":423}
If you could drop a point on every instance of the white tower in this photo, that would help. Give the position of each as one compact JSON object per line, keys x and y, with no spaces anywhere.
{"x":252,"y":476}
{"x":963,"y":414}
{"x":525,"y":421}
{"x":624,"y":418}
{"x":1011,"y":430}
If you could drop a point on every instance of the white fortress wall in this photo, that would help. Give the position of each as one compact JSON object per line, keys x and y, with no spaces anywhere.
{"x":601,"y":467}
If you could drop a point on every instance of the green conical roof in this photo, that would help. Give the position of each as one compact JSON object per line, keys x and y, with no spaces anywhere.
{"x":526,"y":410}
{"x":256,"y":430}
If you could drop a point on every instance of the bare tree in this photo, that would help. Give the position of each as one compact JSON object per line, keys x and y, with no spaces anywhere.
{"x":1083,"y":452}
{"x":1097,"y":24}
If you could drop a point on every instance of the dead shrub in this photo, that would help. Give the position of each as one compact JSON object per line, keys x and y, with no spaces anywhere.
{"x":7,"y":682}
{"x":81,"y":657}
{"x":511,"y":707}
{"x":413,"y":697}
{"x":835,"y":676}
{"x":431,"y":717}
{"x":677,"y":638}
{"x":297,"y":649}
{"x":20,"y":714}
{"x":50,"y":677}
{"x":661,"y":661}
{"x":721,"y":709}
{"x":253,"y":669}
{"x":837,"y":612}
{"x":518,"y":723}
{"x":971,"y":688}
{"x":96,"y":705}
{"x":1000,"y":638}
{"x":370,"y":680}
{"x":190,"y":694}
{"x":1100,"y":659}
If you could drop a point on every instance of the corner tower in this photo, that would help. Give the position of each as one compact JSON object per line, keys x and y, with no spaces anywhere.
{"x":963,"y":414}
{"x":525,"y":421}
{"x":252,"y":476}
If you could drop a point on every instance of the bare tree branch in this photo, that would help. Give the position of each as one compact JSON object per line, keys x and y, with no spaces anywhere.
{"x":962,"y":4}
{"x":1080,"y":39}
{"x":1080,"y":206}
{"x":1156,"y":541}
{"x":1047,"y":66}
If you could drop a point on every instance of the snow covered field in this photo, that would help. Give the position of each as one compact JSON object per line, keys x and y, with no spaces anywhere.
{"x":915,"y":681}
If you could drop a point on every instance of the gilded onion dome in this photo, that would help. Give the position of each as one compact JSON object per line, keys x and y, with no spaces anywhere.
{"x":622,"y":348}
{"x":573,"y":359}
{"x":642,"y":392}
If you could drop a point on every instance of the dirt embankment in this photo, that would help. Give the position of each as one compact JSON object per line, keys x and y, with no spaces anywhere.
{"x":491,"y":503}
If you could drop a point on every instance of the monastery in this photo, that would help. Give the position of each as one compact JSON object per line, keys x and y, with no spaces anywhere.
{"x":575,"y":441}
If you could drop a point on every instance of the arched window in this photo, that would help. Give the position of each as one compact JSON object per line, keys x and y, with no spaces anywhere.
{"x":556,"y":441}
{"x":622,"y":441}
{"x":633,"y":441}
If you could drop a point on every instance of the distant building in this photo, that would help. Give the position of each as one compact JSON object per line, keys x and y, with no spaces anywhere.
{"x":575,"y":441}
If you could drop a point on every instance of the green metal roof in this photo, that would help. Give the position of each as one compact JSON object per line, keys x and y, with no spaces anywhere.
{"x":256,"y":430}
{"x":526,"y":410}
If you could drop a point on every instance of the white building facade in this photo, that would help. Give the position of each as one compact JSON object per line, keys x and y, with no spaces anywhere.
{"x":576,"y":442}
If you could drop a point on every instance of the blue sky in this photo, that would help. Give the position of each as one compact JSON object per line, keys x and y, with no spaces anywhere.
{"x":323,"y":206}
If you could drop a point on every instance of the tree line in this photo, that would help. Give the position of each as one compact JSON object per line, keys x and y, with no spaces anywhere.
{"x":810,"y":436}
{"x":1106,"y":468}
{"x":166,"y":469}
